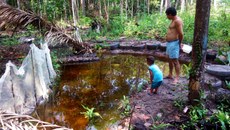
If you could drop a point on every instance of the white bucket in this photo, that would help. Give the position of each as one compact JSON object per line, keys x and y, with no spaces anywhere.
{"x":187,"y":48}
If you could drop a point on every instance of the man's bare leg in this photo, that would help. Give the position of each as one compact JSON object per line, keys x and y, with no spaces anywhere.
{"x":177,"y":69}
{"x":170,"y":68}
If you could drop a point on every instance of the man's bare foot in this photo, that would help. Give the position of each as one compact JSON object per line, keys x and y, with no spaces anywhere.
{"x":176,"y":81}
{"x":168,"y":77}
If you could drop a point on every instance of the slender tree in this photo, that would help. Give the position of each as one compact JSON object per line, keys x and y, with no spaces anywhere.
{"x":75,"y":12}
{"x":121,"y":7}
{"x":161,"y":6}
{"x":18,"y":3}
{"x":182,"y":5}
{"x":126,"y":9}
{"x":83,"y":7}
{"x":100,"y":9}
{"x":199,"y":49}
{"x":106,"y":11}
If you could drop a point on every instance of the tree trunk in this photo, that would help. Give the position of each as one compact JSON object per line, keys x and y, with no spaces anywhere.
{"x":18,"y":3}
{"x":176,"y":3}
{"x":75,"y":12}
{"x":126,"y":9}
{"x":148,"y":6}
{"x":106,"y":12}
{"x":121,"y":7}
{"x":161,"y":8}
{"x":100,"y":12}
{"x":167,"y":4}
{"x":132,"y":10}
{"x":182,"y":6}
{"x":138,"y":7}
{"x":83,"y":7}
{"x":215,"y":4}
{"x":65,"y":10}
{"x":199,"y":49}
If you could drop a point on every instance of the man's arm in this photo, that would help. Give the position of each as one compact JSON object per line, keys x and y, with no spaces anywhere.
{"x":179,"y":28}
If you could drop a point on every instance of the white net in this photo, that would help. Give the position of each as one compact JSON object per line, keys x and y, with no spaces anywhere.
{"x":21,"y":89}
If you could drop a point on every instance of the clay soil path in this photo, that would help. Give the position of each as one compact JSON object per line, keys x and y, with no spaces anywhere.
{"x":158,"y":108}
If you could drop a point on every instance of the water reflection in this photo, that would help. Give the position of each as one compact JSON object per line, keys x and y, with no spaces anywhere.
{"x":100,"y":85}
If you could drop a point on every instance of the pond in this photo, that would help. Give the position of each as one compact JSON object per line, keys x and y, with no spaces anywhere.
{"x":100,"y":85}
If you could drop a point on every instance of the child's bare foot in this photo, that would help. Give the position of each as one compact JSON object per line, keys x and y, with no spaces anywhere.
{"x":155,"y":90}
{"x":150,"y":94}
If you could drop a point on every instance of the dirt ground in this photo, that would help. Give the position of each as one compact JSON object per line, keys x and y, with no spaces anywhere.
{"x":165,"y":110}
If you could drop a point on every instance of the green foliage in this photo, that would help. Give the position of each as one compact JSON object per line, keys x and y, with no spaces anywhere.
{"x":197,"y":114}
{"x":160,"y":126}
{"x":90,"y":114}
{"x":55,"y":63}
{"x":227,"y":84}
{"x":9,"y":41}
{"x":223,"y":119}
{"x":186,"y":69}
{"x":179,"y":103}
{"x":224,"y":52}
{"x":218,"y":25}
{"x":85,"y":21}
{"x":125,"y":106}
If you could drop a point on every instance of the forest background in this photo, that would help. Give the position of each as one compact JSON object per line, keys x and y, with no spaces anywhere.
{"x":115,"y":19}
{"x":138,"y":19}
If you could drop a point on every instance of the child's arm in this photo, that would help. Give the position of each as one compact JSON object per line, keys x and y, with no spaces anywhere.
{"x":151,"y":76}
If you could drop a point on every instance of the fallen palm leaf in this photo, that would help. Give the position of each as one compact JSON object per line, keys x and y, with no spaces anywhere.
{"x":12,"y":121}
{"x":15,"y":18}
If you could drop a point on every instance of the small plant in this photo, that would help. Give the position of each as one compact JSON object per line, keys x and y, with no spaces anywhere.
{"x":223,"y":55}
{"x":186,"y":69}
{"x":179,"y":103}
{"x":125,"y":106}
{"x":197,"y":114}
{"x":227,"y":84}
{"x":224,"y":119}
{"x":160,"y":126}
{"x":55,"y":63}
{"x":90,"y":114}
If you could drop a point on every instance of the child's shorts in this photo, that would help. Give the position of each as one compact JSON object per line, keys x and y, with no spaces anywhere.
{"x":156,"y":84}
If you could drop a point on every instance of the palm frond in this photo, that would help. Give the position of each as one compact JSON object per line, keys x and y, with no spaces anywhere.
{"x":12,"y":121}
{"x":15,"y":18}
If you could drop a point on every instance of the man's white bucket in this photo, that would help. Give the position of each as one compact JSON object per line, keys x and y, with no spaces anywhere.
{"x":187,"y":48}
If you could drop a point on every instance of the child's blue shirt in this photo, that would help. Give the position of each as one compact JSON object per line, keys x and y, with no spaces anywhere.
{"x":157,"y":74}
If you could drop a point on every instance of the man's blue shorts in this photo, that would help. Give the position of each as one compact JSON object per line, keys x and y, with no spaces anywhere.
{"x":156,"y":84}
{"x":173,"y":49}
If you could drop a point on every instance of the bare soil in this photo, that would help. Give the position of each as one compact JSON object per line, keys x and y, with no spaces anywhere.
{"x":169,"y":106}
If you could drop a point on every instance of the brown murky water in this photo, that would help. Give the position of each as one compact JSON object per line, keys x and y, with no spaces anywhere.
{"x":100,"y":85}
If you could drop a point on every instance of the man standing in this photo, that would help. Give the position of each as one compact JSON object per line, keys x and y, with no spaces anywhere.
{"x":174,"y":38}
